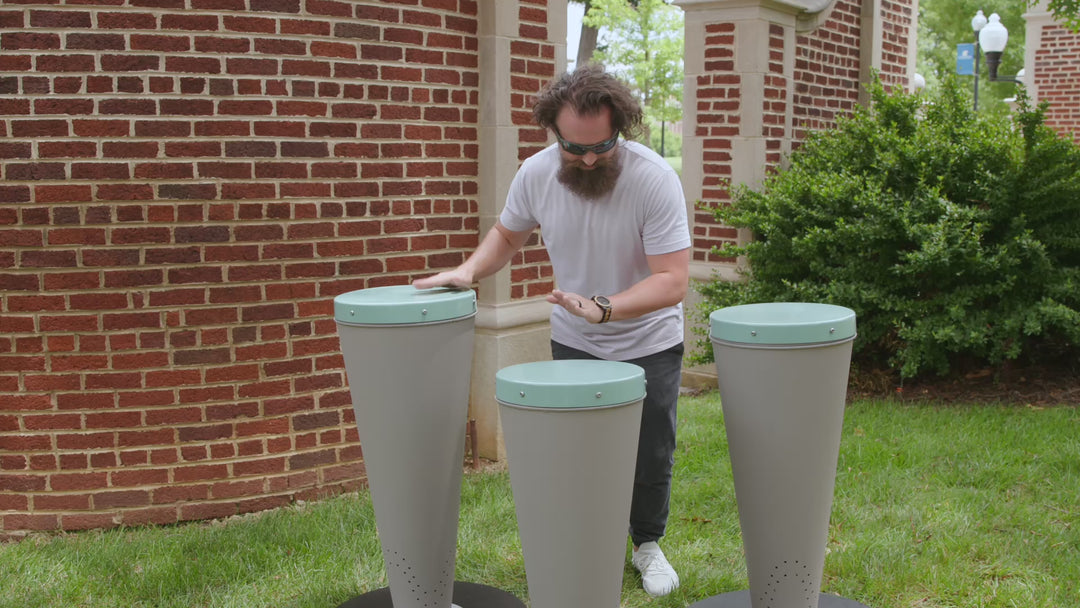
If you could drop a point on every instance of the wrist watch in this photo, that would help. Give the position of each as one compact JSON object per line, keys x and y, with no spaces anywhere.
{"x":605,"y":307}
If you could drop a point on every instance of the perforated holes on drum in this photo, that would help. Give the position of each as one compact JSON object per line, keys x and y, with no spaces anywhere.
{"x":789,"y":581}
{"x":427,"y":594}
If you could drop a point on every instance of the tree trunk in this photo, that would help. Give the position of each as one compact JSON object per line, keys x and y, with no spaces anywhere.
{"x":586,"y":41}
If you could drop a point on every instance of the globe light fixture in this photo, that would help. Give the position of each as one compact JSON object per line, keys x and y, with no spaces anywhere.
{"x":918,"y":82}
{"x":991,"y":38}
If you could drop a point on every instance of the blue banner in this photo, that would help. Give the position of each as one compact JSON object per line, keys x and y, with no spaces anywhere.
{"x":965,"y":58}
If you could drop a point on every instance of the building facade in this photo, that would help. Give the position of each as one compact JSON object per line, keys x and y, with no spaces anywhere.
{"x":187,"y":184}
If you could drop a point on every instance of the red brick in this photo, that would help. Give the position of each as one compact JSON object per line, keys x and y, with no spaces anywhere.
{"x":62,"y":502}
{"x":52,"y":422}
{"x":200,"y":473}
{"x":22,"y":483}
{"x":114,"y":420}
{"x":237,"y":489}
{"x":122,"y":499}
{"x":87,"y":521}
{"x":139,"y":477}
{"x":145,"y":438}
{"x":149,"y":516}
{"x":19,"y":521}
{"x":207,"y":510}
{"x":177,"y":493}
{"x":60,"y":482}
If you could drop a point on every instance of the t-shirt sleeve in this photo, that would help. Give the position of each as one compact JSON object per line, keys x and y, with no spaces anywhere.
{"x":665,"y":228}
{"x":517,"y":214}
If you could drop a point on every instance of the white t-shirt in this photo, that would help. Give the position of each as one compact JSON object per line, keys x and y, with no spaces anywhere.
{"x":598,"y":247}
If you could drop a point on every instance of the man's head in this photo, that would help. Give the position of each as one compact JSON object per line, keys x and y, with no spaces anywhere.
{"x":587,"y":110}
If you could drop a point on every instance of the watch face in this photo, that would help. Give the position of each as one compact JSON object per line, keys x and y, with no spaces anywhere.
{"x":602,"y":301}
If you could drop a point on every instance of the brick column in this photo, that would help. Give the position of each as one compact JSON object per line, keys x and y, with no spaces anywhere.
{"x":1052,"y":70}
{"x":738,"y":111}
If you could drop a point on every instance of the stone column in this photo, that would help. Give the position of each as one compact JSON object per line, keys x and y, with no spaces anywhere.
{"x":508,"y":331}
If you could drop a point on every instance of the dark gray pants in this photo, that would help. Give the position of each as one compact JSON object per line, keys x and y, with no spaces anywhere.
{"x":656,"y":441}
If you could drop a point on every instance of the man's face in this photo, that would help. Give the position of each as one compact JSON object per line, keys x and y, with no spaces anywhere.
{"x":586,"y":168}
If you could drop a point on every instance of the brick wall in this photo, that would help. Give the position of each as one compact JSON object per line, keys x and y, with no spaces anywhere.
{"x":1056,"y":77}
{"x":187,"y":184}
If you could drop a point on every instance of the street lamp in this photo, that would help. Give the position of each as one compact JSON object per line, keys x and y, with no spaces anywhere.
{"x":990,"y":37}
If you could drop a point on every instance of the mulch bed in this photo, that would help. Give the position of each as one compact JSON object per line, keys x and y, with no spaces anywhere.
{"x":1031,"y":386}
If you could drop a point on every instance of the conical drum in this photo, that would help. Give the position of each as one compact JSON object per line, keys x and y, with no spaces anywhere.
{"x":571,"y":430}
{"x":782,"y":370}
{"x":408,"y":356}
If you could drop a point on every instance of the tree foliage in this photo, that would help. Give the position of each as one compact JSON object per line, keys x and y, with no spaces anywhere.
{"x":642,"y":41}
{"x":954,"y":236}
{"x":1065,"y":12}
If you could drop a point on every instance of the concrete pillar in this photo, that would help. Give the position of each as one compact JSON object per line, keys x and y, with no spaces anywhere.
{"x":508,"y":332}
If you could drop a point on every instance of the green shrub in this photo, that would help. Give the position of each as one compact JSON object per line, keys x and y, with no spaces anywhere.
{"x":955,"y":237}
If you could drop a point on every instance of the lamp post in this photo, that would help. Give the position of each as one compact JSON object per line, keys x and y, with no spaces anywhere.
{"x":990,"y":38}
{"x":978,"y":22}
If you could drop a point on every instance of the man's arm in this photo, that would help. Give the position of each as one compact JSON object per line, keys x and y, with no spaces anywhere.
{"x":499,"y":245}
{"x":666,"y":286}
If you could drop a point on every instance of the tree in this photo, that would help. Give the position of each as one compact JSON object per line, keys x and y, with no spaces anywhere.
{"x":587,"y":37}
{"x":643,"y":43}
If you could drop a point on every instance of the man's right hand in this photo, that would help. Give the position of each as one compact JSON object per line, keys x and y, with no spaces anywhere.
{"x":456,"y":278}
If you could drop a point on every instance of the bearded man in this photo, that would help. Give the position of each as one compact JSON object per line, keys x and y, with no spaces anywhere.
{"x":613,"y":218}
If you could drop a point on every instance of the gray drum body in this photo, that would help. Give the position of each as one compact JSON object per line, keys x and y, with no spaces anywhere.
{"x":408,"y":356}
{"x":571,"y":431}
{"x":782,"y":371}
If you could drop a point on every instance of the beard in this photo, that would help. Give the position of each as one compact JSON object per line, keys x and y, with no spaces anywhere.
{"x":590,"y":183}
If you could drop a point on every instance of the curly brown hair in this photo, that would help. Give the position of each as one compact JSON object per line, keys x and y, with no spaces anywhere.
{"x":586,"y":90}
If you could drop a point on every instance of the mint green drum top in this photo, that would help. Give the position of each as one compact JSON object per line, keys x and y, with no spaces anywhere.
{"x":570,"y":384}
{"x":782,"y":323}
{"x":403,"y":304}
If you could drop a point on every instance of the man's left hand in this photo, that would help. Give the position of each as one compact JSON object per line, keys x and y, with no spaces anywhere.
{"x":579,"y":306}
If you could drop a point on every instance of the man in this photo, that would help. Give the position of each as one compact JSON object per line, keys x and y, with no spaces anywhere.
{"x":613,"y":217}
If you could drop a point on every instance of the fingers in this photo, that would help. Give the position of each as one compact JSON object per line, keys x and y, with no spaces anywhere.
{"x":572,"y":302}
{"x":443,"y":279}
{"x":427,"y":283}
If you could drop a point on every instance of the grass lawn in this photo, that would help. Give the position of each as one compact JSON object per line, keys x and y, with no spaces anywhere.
{"x":935,"y":507}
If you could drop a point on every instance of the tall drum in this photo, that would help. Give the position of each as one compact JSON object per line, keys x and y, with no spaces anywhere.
{"x":571,"y":430}
{"x":783,"y":370}
{"x":408,"y":356}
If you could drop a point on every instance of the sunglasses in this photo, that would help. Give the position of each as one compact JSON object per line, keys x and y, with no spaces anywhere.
{"x":580,"y":150}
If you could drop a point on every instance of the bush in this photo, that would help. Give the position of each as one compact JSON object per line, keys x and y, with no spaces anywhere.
{"x":955,"y":237}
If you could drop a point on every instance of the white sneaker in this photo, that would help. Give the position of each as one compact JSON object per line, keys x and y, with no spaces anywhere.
{"x":657,"y":575}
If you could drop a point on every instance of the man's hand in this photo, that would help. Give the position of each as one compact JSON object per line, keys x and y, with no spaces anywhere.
{"x":579,"y":306}
{"x":456,"y":278}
